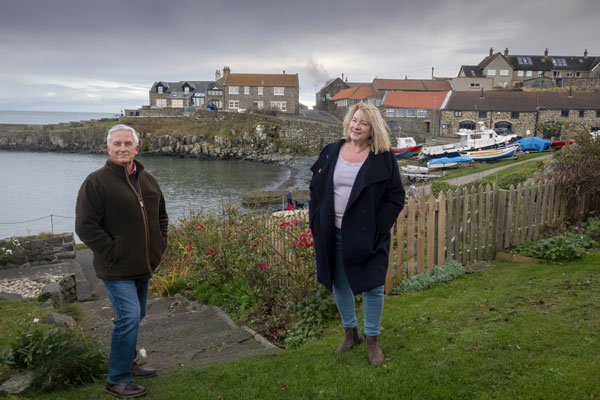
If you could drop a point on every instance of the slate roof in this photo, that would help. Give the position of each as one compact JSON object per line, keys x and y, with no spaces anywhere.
{"x":262,"y":80}
{"x":536,"y":63}
{"x":472,"y":71}
{"x":522,"y":101}
{"x":412,"y":85}
{"x":427,"y":100}
{"x":169,"y":87}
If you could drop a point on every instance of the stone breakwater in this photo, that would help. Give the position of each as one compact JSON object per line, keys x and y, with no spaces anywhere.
{"x":202,"y":135}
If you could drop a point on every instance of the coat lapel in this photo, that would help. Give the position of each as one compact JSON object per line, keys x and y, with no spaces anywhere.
{"x":373,"y":170}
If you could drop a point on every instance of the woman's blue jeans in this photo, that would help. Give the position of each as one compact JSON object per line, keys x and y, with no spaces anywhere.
{"x":344,"y":298}
{"x":128,"y":298}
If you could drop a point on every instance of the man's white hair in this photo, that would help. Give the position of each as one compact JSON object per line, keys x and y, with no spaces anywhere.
{"x":122,"y":127}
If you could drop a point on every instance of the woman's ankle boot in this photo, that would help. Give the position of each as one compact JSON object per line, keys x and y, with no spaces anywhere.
{"x":376,"y":357}
{"x":351,"y":338}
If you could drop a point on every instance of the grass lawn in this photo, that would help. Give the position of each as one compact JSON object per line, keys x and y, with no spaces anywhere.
{"x":517,"y":331}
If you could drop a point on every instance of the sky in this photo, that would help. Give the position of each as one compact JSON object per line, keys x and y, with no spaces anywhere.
{"x":104,"y":55}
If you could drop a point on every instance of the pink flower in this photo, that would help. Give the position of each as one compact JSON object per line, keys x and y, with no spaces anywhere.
{"x":189,"y":248}
{"x":296,"y":243}
{"x":262,"y":266}
{"x":210,"y":251}
{"x":255,"y":244}
{"x":284,"y":387}
{"x":186,"y":259}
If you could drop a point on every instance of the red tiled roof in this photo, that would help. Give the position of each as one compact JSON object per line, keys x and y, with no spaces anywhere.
{"x":426,"y":100}
{"x":262,"y":80}
{"x":412,"y":85}
{"x":359,"y":92}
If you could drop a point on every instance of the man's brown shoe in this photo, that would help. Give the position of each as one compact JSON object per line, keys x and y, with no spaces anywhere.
{"x":141,"y":372}
{"x":125,"y":390}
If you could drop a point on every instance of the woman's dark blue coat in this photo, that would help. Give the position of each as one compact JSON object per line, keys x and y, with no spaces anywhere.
{"x":376,"y":199}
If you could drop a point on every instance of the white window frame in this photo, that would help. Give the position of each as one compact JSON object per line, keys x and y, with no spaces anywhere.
{"x":503,"y":72}
{"x":520,"y":73}
{"x":176,"y":103}
{"x":234,"y":90}
{"x":159,"y":89}
{"x":258,"y":104}
{"x":529,"y":73}
{"x":569,"y":74}
{"x":491,"y":72}
{"x":162,"y":103}
{"x":400,"y":112}
{"x":186,"y":89}
{"x":540,"y":73}
{"x":421,"y":113}
{"x":198,"y":101}
{"x":389,"y":112}
{"x":279,"y":105}
{"x":458,"y":113}
{"x":234,"y":104}
{"x":246,"y":89}
{"x":410,"y":112}
{"x":278,"y":91}
{"x":475,"y":84}
{"x":260,"y":90}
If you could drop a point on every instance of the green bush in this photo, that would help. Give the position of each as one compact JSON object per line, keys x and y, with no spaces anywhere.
{"x":592,"y":228}
{"x":441,"y":186}
{"x":59,"y":357}
{"x":513,"y":179}
{"x":566,"y":247}
{"x":311,"y":314}
{"x":11,"y":251}
{"x":450,"y":270}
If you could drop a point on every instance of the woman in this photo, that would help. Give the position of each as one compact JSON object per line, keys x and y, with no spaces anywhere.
{"x":355,"y":197}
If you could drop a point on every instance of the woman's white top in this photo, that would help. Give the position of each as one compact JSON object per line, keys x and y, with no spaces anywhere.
{"x":344,"y":176}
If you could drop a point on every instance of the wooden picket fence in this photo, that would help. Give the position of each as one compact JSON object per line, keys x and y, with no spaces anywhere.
{"x":469,"y":225}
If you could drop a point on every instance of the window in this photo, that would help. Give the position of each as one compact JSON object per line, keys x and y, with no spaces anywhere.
{"x":389,"y":112}
{"x":503,"y":72}
{"x":557,"y":74}
{"x":159,"y":89}
{"x":400,"y":112}
{"x":246,"y":89}
{"x":514,"y":115}
{"x":378,"y":102}
{"x":520,"y":73}
{"x":260,"y":90}
{"x":564,"y":113}
{"x":491,"y":72}
{"x":559,"y":62}
{"x":371,"y":101}
{"x":258,"y":104}
{"x":215,"y":92}
{"x":421,"y":113}
{"x":161,"y":102}
{"x":278,"y":91}
{"x":581,"y":113}
{"x":578,"y":74}
{"x":475,"y":84}
{"x":186,"y":89}
{"x":410,"y":112}
{"x":234,"y":90}
{"x":482,"y":114}
{"x":198,"y":101}
{"x":529,"y":73}
{"x":279,"y":105}
{"x":458,"y":113}
{"x":597,"y":113}
{"x":540,"y":73}
{"x":177,"y":103}
{"x":234,"y":104}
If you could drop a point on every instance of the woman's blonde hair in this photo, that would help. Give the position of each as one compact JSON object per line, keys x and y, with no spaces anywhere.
{"x":380,"y":133}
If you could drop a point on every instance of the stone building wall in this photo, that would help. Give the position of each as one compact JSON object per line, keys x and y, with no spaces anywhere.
{"x":520,"y":126}
{"x":573,"y":122}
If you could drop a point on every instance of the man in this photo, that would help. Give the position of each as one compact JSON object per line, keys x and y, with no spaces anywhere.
{"x":121,"y":215}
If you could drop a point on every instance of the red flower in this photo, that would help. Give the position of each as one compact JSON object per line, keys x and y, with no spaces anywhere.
{"x":186,"y":259}
{"x":284,"y":387}
{"x":262,"y":266}
{"x":189,"y":248}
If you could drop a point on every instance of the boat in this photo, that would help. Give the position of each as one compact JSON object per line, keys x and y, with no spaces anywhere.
{"x":493,"y":154}
{"x":406,"y":147}
{"x":415,"y":173}
{"x":447,"y":162}
{"x":558,"y":144}
{"x":470,"y":140}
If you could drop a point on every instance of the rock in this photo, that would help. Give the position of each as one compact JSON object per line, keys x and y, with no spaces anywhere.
{"x":10,"y":296}
{"x":59,"y":319}
{"x":17,"y":384}
{"x":48,"y":304}
{"x":52,"y":290}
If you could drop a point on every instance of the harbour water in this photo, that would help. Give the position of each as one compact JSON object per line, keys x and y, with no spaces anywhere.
{"x":49,"y":117}
{"x":38,"y":190}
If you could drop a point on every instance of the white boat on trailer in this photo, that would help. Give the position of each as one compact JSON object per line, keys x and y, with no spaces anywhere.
{"x":470,"y":140}
{"x":493,"y":154}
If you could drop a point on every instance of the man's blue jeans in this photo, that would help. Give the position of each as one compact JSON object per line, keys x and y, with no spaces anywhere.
{"x":128,"y":298}
{"x":344,"y":298}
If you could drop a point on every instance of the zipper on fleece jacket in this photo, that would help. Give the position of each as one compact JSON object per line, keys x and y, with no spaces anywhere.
{"x":138,"y":194}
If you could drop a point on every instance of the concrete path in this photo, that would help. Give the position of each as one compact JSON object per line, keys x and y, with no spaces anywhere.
{"x":176,"y":332}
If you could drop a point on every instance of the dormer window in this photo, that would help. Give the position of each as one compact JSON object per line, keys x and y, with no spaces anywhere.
{"x":186,"y":89}
{"x":159,"y":89}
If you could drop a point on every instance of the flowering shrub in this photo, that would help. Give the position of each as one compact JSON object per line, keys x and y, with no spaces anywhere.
{"x":257,"y":267}
{"x":11,"y":251}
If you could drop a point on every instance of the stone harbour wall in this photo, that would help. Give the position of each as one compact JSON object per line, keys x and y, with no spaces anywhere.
{"x":33,"y":251}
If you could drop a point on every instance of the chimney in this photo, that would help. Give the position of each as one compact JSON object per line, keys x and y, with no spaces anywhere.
{"x":342,"y":76}
{"x":432,"y":78}
{"x":491,"y":51}
{"x":585,"y":53}
{"x":226,"y":71}
{"x":506,"y":51}
{"x":284,"y":71}
{"x":481,"y":94}
{"x":217,"y":75}
{"x":546,"y":52}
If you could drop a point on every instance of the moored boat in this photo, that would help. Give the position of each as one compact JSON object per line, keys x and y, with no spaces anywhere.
{"x":492,"y":154}
{"x":558,"y":144}
{"x":406,"y":147}
{"x":447,"y":162}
